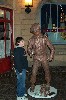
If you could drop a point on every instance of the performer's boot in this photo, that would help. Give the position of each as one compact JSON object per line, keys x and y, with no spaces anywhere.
{"x":48,"y":88}
{"x":32,"y":88}
{"x":48,"y":85}
{"x":33,"y":80}
{"x":43,"y":89}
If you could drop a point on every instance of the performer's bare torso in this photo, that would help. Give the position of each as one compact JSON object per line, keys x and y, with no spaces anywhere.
{"x":39,"y":47}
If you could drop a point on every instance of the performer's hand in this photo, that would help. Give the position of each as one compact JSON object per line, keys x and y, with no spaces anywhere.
{"x":49,"y":58}
{"x":30,"y":55}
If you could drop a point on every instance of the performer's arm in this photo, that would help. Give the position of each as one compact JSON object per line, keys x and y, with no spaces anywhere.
{"x":52,"y":49}
{"x":29,"y":48}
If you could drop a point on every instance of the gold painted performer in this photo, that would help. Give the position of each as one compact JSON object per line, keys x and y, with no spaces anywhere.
{"x":37,"y":48}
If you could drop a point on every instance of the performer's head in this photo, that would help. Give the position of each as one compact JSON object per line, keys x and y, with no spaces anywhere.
{"x":35,"y":28}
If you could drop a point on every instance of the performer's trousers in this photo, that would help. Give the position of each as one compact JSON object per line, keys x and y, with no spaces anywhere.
{"x":35,"y":69}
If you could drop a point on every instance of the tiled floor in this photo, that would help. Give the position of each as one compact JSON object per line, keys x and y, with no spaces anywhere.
{"x":8,"y":83}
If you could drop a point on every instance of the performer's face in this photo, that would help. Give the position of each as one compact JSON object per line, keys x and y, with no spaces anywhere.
{"x":37,"y":30}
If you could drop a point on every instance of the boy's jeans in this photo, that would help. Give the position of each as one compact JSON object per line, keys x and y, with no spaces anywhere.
{"x":21,"y":83}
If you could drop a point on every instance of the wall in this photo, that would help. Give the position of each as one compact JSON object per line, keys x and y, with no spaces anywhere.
{"x":23,"y":22}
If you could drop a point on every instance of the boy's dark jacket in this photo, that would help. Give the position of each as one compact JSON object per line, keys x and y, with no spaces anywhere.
{"x":20,"y":59}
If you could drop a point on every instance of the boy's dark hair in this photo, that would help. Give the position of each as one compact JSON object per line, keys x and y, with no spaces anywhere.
{"x":18,"y":39}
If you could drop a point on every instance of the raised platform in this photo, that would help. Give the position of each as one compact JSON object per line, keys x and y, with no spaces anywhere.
{"x":37,"y":94}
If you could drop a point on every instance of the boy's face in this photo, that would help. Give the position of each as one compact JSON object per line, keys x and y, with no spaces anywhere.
{"x":21,"y":43}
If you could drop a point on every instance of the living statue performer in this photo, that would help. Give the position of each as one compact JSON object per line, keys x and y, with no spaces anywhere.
{"x":37,"y":48}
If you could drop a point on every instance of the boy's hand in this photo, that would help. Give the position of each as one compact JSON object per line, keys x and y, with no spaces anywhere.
{"x":27,"y":71}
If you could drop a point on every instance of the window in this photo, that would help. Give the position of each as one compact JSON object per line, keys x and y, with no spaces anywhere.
{"x":53,"y":22}
{"x":6,"y":31}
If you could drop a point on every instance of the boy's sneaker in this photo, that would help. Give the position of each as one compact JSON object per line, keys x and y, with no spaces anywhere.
{"x":25,"y":95}
{"x":24,"y":98}
{"x":18,"y":98}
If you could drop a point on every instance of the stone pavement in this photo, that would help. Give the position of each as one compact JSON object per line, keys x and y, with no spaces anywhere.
{"x":58,"y":80}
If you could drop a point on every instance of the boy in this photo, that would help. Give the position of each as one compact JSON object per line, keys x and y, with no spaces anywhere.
{"x":21,"y":64}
